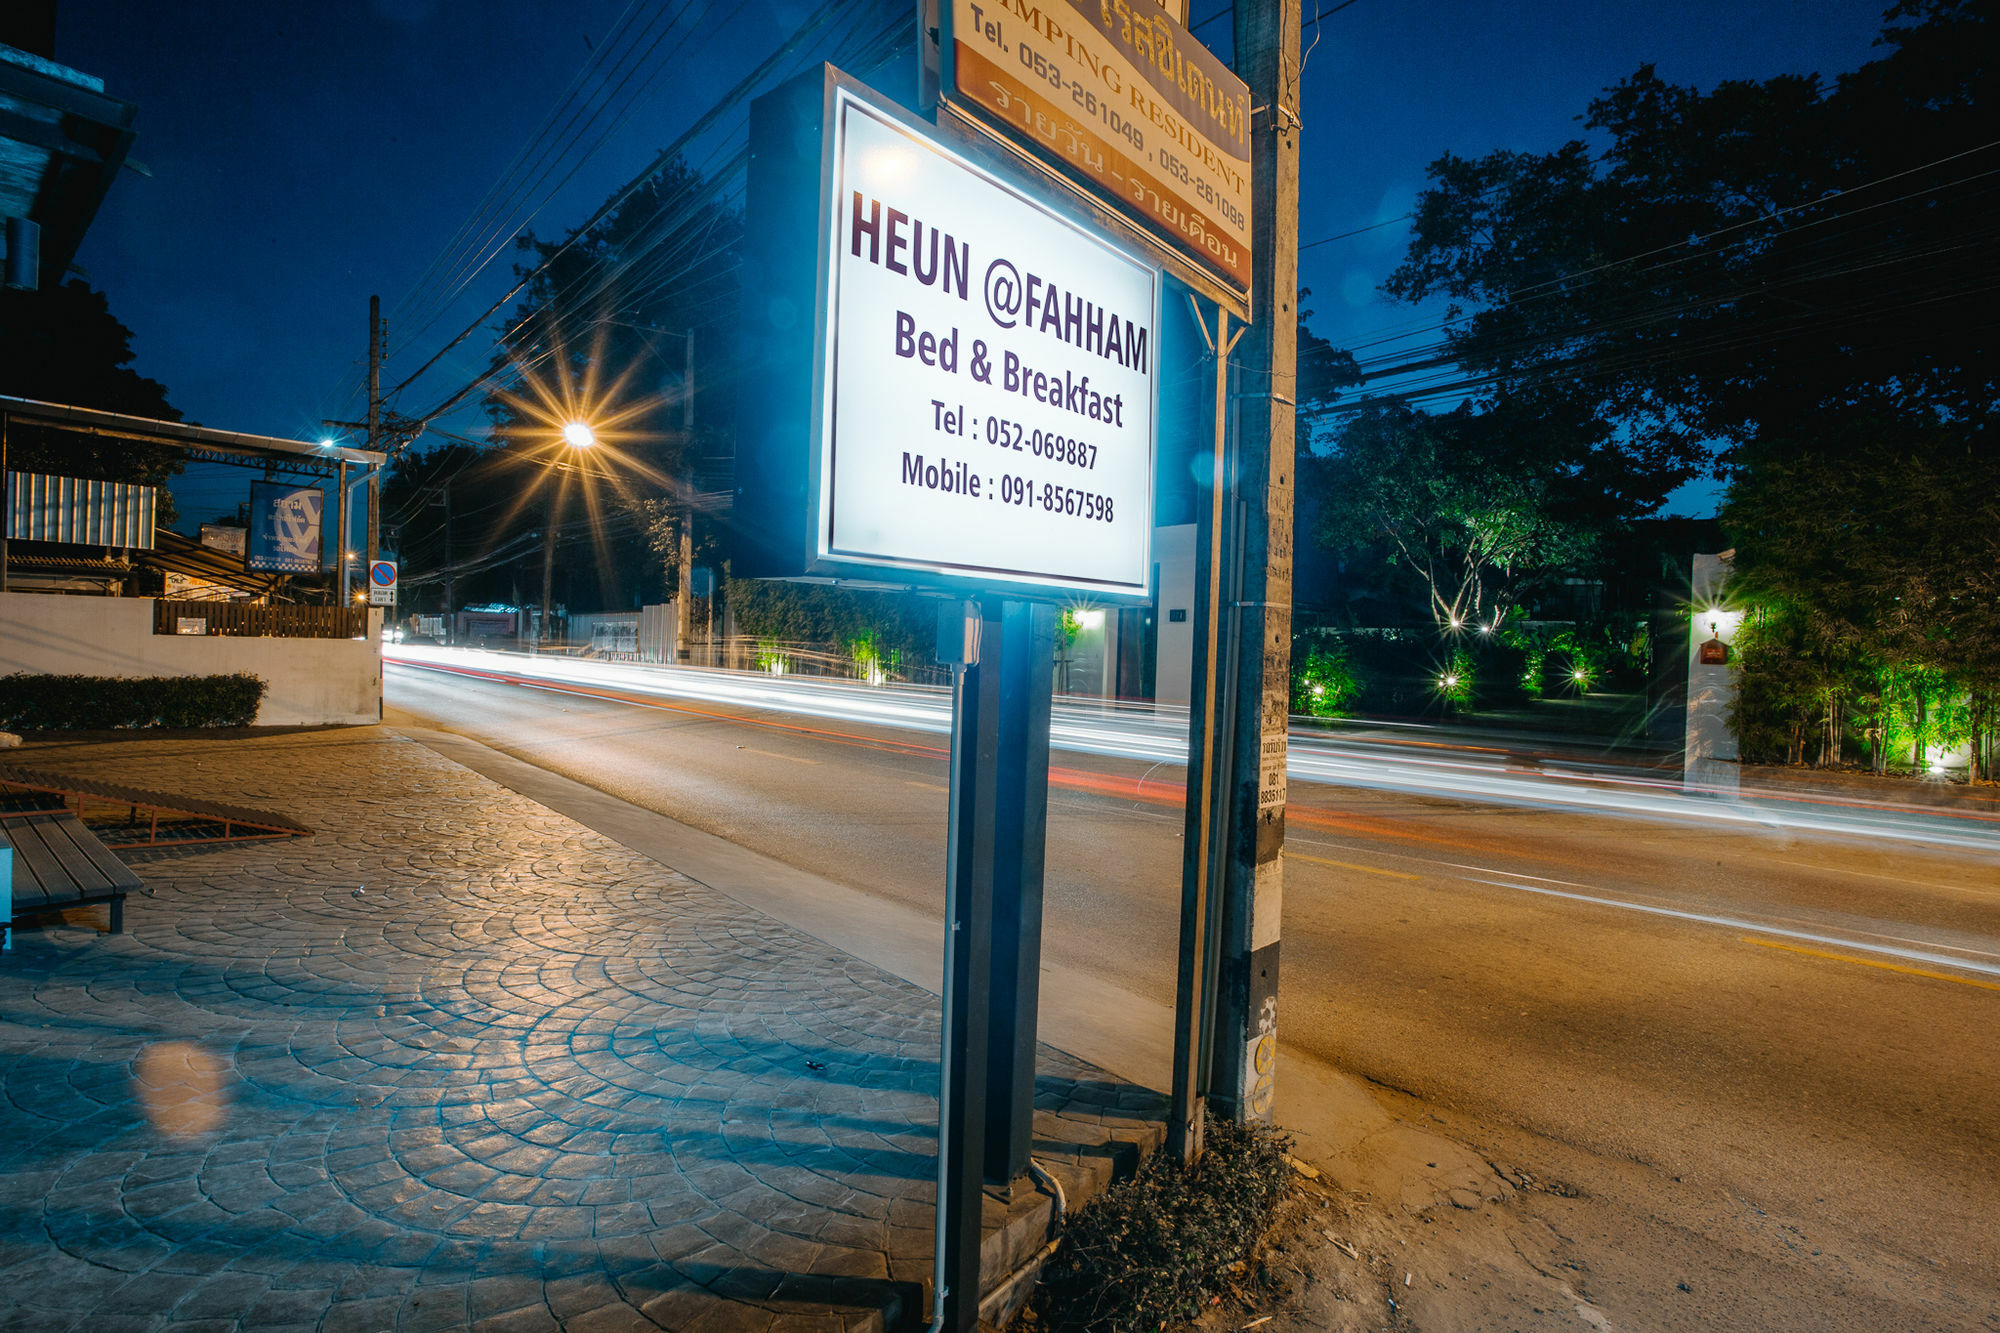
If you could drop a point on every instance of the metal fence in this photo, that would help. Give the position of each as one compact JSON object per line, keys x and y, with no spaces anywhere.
{"x":267,"y":622}
{"x":72,"y":509}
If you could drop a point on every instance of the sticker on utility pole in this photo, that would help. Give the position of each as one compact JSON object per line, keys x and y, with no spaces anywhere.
{"x":382,"y":583}
{"x":1271,"y":785}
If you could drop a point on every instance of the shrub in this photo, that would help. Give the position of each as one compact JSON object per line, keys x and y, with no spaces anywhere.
{"x":1455,"y":681}
{"x":108,"y":703}
{"x":1324,"y":681}
{"x":1149,"y":1251}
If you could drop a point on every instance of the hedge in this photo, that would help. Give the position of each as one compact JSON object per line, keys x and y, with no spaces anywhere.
{"x":105,"y":703}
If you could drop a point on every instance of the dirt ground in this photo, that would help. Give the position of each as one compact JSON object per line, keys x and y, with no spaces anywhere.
{"x":1564,"y":1246}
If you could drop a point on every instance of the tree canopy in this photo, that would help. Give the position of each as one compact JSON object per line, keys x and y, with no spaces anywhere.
{"x":621,"y":325}
{"x":1728,"y":260}
{"x":1790,"y":277}
{"x":63,"y":345}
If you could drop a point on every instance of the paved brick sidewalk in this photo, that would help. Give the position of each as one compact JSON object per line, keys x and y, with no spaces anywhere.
{"x":458,"y":1061}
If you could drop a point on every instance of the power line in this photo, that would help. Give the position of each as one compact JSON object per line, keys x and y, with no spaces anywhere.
{"x":1231,"y":9}
{"x":814,"y":21}
{"x":1341,"y":236}
{"x":513,"y":221}
{"x":1564,"y":282}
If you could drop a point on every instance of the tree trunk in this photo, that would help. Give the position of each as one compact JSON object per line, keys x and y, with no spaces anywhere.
{"x":1917,"y":745}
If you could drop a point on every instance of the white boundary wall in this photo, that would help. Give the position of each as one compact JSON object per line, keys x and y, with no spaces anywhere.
{"x":1711,"y":757}
{"x":309,"y":681}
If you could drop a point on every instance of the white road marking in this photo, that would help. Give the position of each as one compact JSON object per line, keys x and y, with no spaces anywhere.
{"x":1736,"y":923}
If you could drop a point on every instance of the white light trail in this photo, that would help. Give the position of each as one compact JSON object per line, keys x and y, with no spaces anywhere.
{"x":1159,"y":734}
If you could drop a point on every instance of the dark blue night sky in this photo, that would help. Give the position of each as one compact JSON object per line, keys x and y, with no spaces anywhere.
{"x":305,"y":155}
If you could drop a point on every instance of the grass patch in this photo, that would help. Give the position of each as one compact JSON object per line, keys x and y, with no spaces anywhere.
{"x":1152,"y":1251}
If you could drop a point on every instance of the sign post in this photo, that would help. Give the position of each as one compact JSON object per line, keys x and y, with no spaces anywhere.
{"x":957,"y":392}
{"x":381,"y":583}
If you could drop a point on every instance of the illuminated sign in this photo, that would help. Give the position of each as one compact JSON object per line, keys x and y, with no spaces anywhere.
{"x":284,"y":528}
{"x":983,"y":371}
{"x":1119,"y":94}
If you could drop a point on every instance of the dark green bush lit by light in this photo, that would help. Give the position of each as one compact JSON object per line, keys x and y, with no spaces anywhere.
{"x":116,"y":703}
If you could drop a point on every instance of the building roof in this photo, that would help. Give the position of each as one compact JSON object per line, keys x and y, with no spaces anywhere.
{"x":62,"y":140}
{"x":200,"y":443}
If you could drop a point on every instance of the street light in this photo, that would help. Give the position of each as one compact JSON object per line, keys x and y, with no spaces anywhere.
{"x":576,"y":435}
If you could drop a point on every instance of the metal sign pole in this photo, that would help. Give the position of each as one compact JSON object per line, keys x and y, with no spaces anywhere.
{"x":1020,"y":798}
{"x":962,"y":1071}
{"x":999,"y":816}
{"x":1209,"y":753}
{"x":6,"y":502}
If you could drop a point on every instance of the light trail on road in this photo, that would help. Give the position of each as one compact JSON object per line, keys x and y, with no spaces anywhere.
{"x":1735,"y":1011}
{"x":1158,"y":734}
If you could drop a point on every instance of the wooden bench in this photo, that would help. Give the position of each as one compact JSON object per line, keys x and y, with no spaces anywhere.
{"x":60,"y":863}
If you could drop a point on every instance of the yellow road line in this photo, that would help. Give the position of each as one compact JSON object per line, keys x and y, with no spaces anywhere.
{"x":1871,"y":962}
{"x":1348,"y":865}
{"x":773,"y":754}
{"x":927,"y":786}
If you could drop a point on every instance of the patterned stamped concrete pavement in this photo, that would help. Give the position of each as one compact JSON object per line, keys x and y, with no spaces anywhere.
{"x":456,"y":1061}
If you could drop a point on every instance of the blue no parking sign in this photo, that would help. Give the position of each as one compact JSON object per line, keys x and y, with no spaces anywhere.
{"x":382,"y":583}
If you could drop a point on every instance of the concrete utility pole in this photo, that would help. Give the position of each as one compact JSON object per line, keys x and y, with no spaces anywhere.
{"x":684,"y":578}
{"x":1246,"y":1044}
{"x":549,"y":554}
{"x":450,"y":579}
{"x":340,"y":524}
{"x":1226,"y":1040}
{"x":376,"y":331}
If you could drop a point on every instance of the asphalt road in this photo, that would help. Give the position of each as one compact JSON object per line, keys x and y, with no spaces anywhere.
{"x":1783,"y":1040}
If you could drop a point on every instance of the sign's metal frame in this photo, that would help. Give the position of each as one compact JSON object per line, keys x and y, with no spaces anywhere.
{"x":255,"y":555}
{"x":805,"y":560}
{"x":968,"y":123}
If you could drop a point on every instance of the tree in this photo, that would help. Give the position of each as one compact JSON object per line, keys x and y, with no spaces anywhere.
{"x":1760,"y":253}
{"x":1478,"y":506}
{"x":1892,"y":558}
{"x":1795,"y":273}
{"x":622,"y":325}
{"x":62,"y":345}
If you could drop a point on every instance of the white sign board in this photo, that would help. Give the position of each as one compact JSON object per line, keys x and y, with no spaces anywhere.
{"x":382,"y":583}
{"x":988,"y":385}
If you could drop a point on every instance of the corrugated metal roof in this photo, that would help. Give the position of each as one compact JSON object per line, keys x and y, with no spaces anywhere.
{"x":84,"y":513}
{"x":198,"y":440}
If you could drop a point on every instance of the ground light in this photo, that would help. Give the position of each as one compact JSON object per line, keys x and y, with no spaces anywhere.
{"x":579,"y":435}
